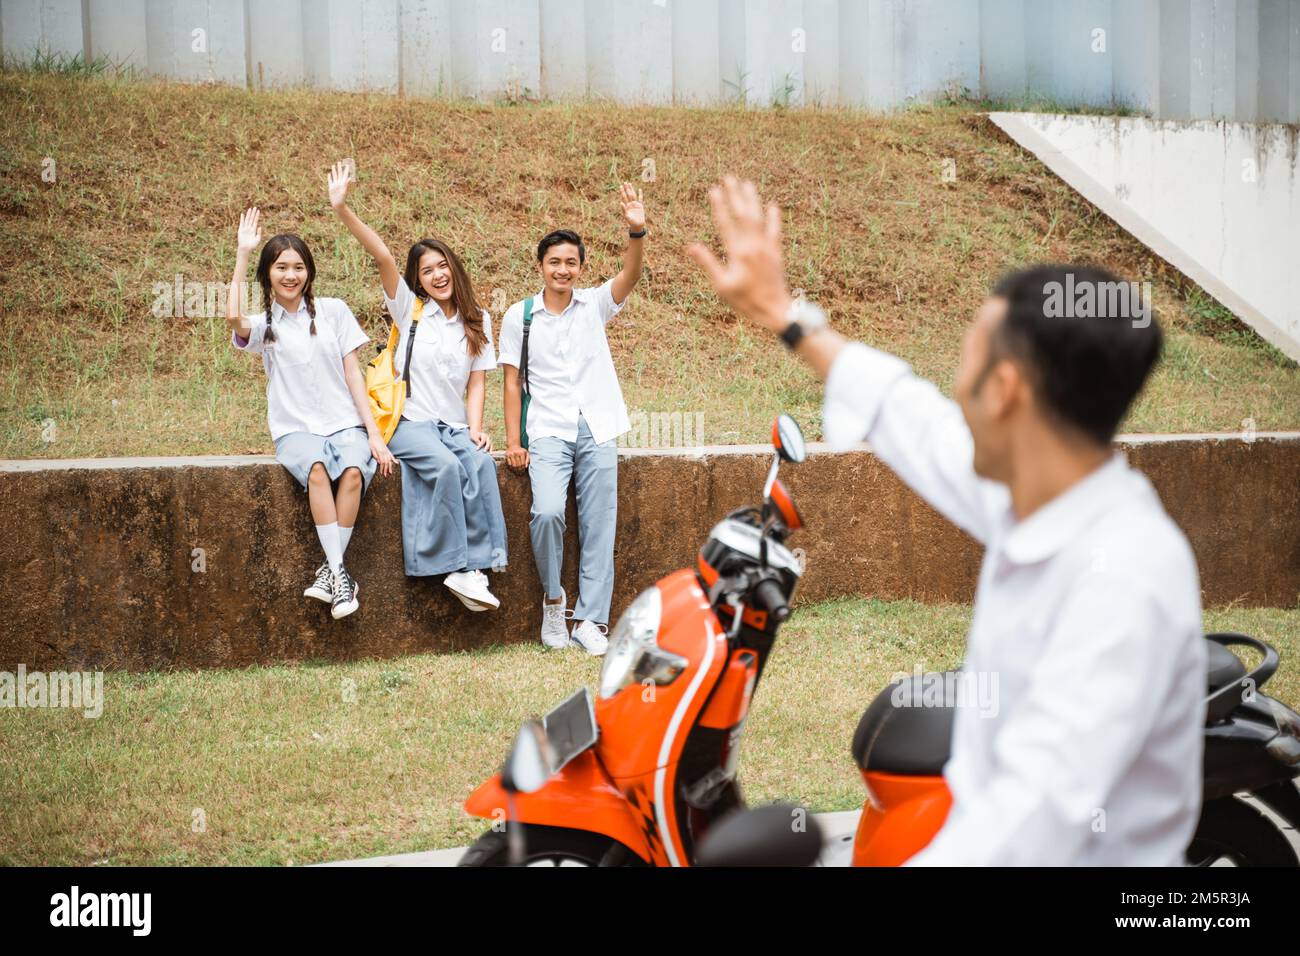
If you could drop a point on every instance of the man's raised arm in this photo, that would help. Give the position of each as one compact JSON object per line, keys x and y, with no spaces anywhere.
{"x":869,"y":395}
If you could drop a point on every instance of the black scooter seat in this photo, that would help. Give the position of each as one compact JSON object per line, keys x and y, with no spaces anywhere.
{"x":916,"y":739}
{"x":1223,"y":667}
{"x":911,"y":739}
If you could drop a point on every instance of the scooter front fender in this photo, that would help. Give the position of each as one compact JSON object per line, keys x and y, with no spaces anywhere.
{"x":581,"y":796}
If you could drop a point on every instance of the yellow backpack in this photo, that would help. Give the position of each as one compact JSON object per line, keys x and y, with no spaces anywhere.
{"x":387,"y":392}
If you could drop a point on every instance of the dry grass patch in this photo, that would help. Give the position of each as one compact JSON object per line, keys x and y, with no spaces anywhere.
{"x":152,"y":177}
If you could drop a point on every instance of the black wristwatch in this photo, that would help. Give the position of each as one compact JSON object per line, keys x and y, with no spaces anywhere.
{"x":804,"y":317}
{"x":636,"y":235}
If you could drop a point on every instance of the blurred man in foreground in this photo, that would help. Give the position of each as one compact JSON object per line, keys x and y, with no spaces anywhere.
{"x":1088,"y":605}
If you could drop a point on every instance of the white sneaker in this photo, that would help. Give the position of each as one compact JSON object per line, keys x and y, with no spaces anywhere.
{"x":590,"y":636}
{"x":322,"y":589}
{"x":472,"y":589}
{"x":345,"y":594}
{"x":554,"y":633}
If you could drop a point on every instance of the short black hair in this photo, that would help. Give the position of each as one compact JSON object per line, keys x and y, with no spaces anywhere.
{"x":1087,"y":339}
{"x":559,"y":238}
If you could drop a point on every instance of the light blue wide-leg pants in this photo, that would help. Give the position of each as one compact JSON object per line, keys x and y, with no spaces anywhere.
{"x":594,"y":471}
{"x":451,"y":504}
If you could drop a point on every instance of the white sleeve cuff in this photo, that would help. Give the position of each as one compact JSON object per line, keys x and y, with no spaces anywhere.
{"x":605,"y":300}
{"x":399,"y":306}
{"x":859,"y":379}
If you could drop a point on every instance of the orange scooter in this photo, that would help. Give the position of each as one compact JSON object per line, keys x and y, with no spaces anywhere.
{"x":639,"y":775}
{"x":646,"y":774}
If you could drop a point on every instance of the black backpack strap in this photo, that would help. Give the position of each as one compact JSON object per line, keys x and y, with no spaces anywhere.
{"x":410,"y":344}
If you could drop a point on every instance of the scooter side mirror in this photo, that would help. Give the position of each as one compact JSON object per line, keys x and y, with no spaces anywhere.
{"x":528,"y":766}
{"x":787,"y":439}
{"x":777,"y":835}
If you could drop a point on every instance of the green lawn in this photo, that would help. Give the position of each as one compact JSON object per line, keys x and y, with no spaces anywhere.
{"x":313,"y":763}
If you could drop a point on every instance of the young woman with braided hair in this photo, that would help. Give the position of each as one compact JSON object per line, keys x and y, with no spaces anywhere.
{"x":316,"y":403}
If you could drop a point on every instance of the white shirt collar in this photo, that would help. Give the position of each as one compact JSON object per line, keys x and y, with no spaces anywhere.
{"x":431,"y":307}
{"x":579,"y":295}
{"x":302,"y":309}
{"x":1061,"y":520}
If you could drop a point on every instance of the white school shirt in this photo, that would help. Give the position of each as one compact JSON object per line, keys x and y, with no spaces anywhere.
{"x":1087,"y":615}
{"x":570,"y":369}
{"x":440,"y":360}
{"x":305,"y":387}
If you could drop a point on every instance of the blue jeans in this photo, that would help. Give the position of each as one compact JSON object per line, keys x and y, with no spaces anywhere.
{"x":451,"y":504}
{"x":594,"y":468}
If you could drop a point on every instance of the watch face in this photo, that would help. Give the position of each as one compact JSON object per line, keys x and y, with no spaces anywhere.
{"x":807,"y":315}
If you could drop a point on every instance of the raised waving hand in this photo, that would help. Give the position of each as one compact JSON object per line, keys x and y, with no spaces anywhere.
{"x":339,"y":182}
{"x":250,"y":233}
{"x":247,"y":238}
{"x":629,"y":198}
{"x":751,"y":278}
{"x":633,"y":206}
{"x":340,"y":176}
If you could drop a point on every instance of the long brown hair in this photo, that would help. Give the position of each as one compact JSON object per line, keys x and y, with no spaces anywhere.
{"x":462,"y":291}
{"x":272,"y":251}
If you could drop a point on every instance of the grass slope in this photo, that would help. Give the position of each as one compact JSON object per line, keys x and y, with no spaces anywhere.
{"x":149,"y":179}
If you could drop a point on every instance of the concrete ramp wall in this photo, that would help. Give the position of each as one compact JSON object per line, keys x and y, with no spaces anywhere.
{"x":1219,"y":201}
{"x":174,"y":563}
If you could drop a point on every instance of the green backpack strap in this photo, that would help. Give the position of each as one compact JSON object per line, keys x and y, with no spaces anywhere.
{"x":523,"y":374}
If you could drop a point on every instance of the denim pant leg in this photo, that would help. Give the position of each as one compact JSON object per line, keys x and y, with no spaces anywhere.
{"x":433,"y":511}
{"x":550,"y":466}
{"x":596,"y":467}
{"x":485,"y":524}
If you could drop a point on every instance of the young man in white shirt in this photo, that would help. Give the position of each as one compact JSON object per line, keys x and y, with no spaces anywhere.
{"x":560,"y":360}
{"x":1088,"y":604}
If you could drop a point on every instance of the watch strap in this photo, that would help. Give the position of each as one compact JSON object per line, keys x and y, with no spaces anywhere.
{"x":792,"y":335}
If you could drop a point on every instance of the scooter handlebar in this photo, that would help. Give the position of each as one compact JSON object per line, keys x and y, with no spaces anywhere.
{"x":768,"y":595}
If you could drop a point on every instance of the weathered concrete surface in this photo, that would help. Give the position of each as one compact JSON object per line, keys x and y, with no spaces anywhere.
{"x":1218,"y":201}
{"x":99,"y":570}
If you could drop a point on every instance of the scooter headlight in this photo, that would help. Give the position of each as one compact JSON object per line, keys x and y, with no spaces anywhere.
{"x":634,"y":655}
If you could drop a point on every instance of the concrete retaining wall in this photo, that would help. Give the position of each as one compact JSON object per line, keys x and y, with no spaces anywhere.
{"x":1178,"y":59}
{"x":101,"y":567}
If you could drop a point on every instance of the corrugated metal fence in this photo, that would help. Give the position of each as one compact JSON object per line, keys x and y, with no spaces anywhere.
{"x":1178,"y":59}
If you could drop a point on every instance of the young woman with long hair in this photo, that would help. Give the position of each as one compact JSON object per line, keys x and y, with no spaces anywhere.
{"x":452,"y":522}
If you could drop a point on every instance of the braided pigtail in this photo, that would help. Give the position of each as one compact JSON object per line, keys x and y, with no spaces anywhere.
{"x":311,"y":306}
{"x":268,"y":301}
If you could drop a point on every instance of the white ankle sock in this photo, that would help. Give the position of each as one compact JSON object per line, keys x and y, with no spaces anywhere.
{"x":329,"y":541}
{"x":345,"y":535}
